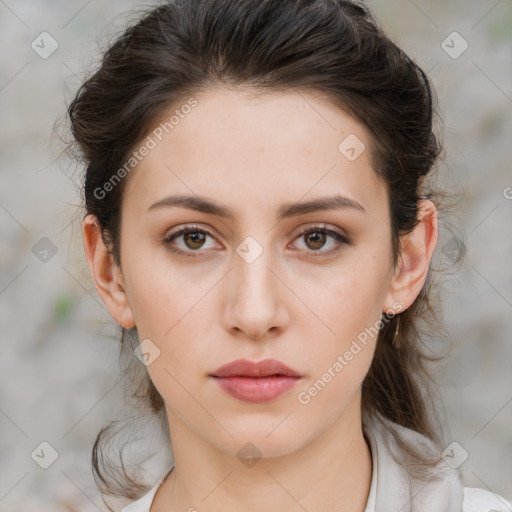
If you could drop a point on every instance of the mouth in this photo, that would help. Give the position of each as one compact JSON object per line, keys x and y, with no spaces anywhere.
{"x":256,"y":382}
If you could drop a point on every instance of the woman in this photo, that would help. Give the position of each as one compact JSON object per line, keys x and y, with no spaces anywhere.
{"x":260,"y":221}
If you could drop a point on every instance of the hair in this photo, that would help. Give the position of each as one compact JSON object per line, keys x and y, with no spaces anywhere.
{"x":332,"y":48}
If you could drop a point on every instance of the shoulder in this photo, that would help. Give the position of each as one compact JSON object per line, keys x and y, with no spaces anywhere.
{"x":479,"y":500}
{"x":445,"y":490}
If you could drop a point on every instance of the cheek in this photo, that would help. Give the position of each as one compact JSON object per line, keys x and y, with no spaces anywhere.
{"x":173,"y":313}
{"x":354,"y":296}
{"x":350,"y":307}
{"x":160,"y":296}
{"x":341,"y":361}
{"x":337,"y":382}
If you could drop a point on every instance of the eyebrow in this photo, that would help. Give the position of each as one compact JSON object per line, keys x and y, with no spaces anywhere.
{"x":286,"y":210}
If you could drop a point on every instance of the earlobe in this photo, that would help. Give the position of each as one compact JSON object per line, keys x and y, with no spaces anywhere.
{"x":416,"y":252}
{"x":107,"y":276}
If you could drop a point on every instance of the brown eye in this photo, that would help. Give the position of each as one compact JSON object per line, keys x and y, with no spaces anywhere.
{"x":317,"y":237}
{"x":315,"y":240}
{"x":193,"y":240}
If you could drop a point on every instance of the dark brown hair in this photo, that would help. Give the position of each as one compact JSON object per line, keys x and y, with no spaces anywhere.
{"x":333,"y":48}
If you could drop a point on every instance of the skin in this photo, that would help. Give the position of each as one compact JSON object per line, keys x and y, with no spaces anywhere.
{"x":252,"y":153}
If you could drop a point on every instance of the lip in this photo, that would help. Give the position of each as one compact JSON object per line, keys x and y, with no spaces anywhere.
{"x":256,"y":382}
{"x":264,"y":368}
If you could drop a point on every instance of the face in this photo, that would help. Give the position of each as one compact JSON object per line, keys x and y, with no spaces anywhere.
{"x":270,"y":280}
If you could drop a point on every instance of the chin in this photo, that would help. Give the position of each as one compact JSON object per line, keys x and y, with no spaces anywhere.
{"x":260,"y":438}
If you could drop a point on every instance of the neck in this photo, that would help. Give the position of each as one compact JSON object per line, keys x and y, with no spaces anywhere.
{"x":333,"y":472}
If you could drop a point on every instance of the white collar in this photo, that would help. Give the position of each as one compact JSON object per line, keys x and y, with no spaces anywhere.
{"x":393,"y":488}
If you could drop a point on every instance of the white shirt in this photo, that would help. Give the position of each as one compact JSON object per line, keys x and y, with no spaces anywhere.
{"x":392,"y":489}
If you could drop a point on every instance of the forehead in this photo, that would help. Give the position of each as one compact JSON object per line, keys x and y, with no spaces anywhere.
{"x":270,"y":148}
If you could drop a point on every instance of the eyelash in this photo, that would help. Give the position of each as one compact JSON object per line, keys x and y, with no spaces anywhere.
{"x":341,"y":239}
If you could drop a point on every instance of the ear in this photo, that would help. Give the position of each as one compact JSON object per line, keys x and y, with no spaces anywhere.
{"x":108,"y":278}
{"x":417,"y":248}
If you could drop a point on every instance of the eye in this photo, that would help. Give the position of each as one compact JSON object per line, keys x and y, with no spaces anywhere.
{"x":193,"y":239}
{"x":317,"y":237}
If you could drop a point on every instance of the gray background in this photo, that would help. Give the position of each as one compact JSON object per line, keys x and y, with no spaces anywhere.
{"x":59,"y":378}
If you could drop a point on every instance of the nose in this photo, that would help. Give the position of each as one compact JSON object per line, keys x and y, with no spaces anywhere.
{"x":255,"y":299}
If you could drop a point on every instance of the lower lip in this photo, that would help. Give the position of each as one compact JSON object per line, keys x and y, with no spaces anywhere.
{"x":256,"y":389}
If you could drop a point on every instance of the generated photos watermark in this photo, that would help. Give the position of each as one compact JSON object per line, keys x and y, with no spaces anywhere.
{"x":357,"y":345}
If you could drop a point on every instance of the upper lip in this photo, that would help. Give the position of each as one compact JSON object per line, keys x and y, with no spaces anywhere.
{"x":245,"y":368}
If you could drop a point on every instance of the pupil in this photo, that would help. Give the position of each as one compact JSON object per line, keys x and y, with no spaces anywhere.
{"x":318,"y":239}
{"x":196,"y":237}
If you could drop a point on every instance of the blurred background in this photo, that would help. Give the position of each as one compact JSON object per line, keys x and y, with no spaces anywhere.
{"x":59,"y":372}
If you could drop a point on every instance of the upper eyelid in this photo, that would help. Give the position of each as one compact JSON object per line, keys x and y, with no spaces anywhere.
{"x":319,"y":226}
